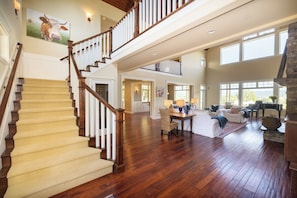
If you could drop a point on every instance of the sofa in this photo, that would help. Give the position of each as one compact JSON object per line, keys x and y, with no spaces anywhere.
{"x":235,"y":114}
{"x":203,"y":124}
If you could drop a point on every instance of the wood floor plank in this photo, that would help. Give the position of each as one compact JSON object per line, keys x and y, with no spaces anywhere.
{"x":241,"y":164}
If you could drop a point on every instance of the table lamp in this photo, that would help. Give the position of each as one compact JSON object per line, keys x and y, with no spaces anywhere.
{"x":194,"y":102}
{"x":180,"y":104}
{"x":168,"y":103}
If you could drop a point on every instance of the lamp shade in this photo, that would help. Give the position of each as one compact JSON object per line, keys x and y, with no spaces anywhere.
{"x":180,"y":103}
{"x":194,"y":100}
{"x":167,"y":103}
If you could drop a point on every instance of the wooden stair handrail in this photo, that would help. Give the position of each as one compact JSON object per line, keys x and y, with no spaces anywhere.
{"x":119,"y":161}
{"x":10,"y":82}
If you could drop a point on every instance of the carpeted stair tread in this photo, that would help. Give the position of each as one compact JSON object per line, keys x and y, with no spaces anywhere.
{"x":45,"y":103}
{"x":49,"y":141}
{"x":43,"y":159}
{"x":44,"y":120}
{"x":56,"y":176}
{"x":36,"y":81}
{"x":44,"y":95}
{"x":45,"y":131}
{"x":35,"y":113}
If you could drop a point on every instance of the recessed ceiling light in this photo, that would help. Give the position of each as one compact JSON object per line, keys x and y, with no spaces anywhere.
{"x":211,"y":31}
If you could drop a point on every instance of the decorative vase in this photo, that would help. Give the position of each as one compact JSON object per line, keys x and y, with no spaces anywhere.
{"x":180,"y":109}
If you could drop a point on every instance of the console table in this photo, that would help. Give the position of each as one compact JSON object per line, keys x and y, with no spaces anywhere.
{"x":182,"y":117}
{"x":278,"y":107}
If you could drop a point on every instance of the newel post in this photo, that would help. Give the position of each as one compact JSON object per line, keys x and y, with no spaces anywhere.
{"x":70,"y":48}
{"x":82,"y":103}
{"x":119,"y":166}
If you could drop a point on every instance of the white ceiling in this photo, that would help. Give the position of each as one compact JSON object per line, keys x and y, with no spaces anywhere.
{"x":230,"y":24}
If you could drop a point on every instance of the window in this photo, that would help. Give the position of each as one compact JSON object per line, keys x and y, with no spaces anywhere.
{"x":283,"y":36}
{"x":202,"y":96}
{"x":229,"y":92}
{"x":282,"y":96}
{"x":258,"y":47}
{"x":253,"y":91}
{"x":230,"y":54}
{"x":245,"y":93}
{"x":182,"y":92}
{"x":145,"y":92}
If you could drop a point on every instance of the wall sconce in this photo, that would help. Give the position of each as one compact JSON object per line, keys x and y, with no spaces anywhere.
{"x":89,"y":17}
{"x":17,"y":7}
{"x":136,"y":90}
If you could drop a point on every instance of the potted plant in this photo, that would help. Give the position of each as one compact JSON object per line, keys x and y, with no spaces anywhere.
{"x":273,"y":98}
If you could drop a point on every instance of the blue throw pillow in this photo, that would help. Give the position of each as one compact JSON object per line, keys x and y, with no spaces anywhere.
{"x":214,"y":108}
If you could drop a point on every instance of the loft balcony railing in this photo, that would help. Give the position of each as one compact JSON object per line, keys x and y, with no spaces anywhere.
{"x":168,"y":67}
{"x":143,"y":16}
{"x":98,"y":120}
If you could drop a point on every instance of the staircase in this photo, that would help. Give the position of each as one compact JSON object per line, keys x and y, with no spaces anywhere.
{"x":48,"y":156}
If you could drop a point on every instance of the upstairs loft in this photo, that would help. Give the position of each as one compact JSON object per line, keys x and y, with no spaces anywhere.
{"x":198,"y":25}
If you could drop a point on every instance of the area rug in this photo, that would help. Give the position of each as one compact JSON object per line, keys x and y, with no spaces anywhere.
{"x":230,"y":128}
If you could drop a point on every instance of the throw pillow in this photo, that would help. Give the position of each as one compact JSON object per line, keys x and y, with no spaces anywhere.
{"x":235,"y":110}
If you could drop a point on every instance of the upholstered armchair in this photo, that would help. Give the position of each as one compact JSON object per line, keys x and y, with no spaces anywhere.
{"x":166,"y":124}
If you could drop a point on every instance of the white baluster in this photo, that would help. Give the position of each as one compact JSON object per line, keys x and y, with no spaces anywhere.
{"x":108,"y":139}
{"x":97,"y":140}
{"x":92,"y":113}
{"x":114,"y":136}
{"x":163,"y":8}
{"x":173,"y":6}
{"x":102,"y":113}
{"x":168,"y":7}
{"x":87,"y":113}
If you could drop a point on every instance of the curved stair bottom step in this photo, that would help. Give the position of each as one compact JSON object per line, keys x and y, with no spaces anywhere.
{"x":64,"y":177}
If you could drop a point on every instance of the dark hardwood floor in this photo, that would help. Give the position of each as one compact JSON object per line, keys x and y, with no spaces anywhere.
{"x":239,"y":165}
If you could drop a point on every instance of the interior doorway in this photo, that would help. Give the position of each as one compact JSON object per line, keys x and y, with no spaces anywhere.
{"x":102,"y":90}
{"x":136,"y":95}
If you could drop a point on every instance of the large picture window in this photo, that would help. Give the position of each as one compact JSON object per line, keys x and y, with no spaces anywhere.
{"x":259,"y":47}
{"x":245,"y":93}
{"x":253,"y":46}
{"x":253,"y":91}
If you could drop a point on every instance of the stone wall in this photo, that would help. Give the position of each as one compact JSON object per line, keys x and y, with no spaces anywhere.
{"x":291,"y":70}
